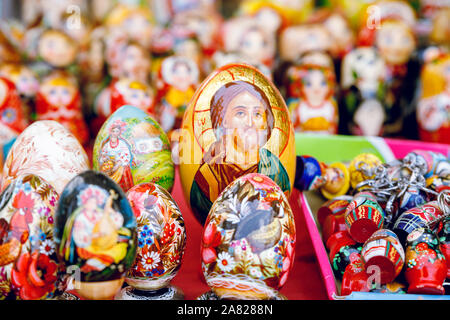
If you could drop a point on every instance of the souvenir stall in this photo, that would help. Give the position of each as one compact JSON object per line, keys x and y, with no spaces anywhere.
{"x":224,"y":150}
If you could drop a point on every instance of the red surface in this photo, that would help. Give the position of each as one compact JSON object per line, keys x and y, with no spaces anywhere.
{"x":304,"y":282}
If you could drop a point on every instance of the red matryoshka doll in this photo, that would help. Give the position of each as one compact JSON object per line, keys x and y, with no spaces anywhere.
{"x":315,"y":110}
{"x":59,"y":99}
{"x":58,"y":50}
{"x":433,"y":108}
{"x":179,"y":80}
{"x":25,"y":80}
{"x":132,"y":92}
{"x":246,"y":36}
{"x":363,"y":91}
{"x":13,"y":119}
{"x":237,"y":123}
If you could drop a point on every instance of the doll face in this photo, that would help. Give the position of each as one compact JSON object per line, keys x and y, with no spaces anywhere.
{"x":246,"y":120}
{"x":58,"y":95}
{"x":181,"y":75}
{"x":138,"y":97}
{"x":340,"y":31}
{"x":57,"y":49}
{"x":255,"y":45}
{"x":135,"y":65}
{"x":139,"y":29}
{"x":27,"y":83}
{"x":395,"y":43}
{"x":315,"y":87}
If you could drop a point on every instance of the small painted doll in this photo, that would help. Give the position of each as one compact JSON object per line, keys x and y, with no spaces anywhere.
{"x":26,"y":81}
{"x":362,"y":92}
{"x":59,"y":99}
{"x":132,"y":92}
{"x":433,"y":108}
{"x":13,"y":119}
{"x":179,"y":78}
{"x":58,"y":51}
{"x":315,"y":110}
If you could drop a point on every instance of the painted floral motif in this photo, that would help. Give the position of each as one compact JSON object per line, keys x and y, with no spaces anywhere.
{"x":249,"y":238}
{"x":161,"y":237}
{"x":131,"y":148}
{"x":30,"y":154}
{"x":28,"y":262}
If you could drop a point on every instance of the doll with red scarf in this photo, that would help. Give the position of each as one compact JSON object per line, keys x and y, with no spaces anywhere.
{"x":59,"y":99}
{"x":13,"y":119}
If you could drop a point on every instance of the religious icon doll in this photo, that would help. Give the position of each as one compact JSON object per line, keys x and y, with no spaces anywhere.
{"x":116,"y":156}
{"x":241,"y":127}
{"x":59,"y":99}
{"x":315,"y":110}
{"x":433,"y":108}
{"x":179,"y":80}
{"x":13,"y":119}
{"x":362,"y":92}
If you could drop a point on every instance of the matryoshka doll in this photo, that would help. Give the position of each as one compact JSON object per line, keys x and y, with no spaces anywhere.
{"x":363,"y":91}
{"x":433,"y":108}
{"x":179,"y":77}
{"x":132,"y":92}
{"x":248,"y":243}
{"x":95,"y":234}
{"x":58,"y":51}
{"x":237,"y":123}
{"x":161,"y":243}
{"x":248,"y":37}
{"x":26,"y":81}
{"x":59,"y":99}
{"x":13,"y":119}
{"x":395,"y":40}
{"x":315,"y":110}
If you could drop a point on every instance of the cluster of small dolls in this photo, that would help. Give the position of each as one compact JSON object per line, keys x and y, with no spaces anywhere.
{"x":387,"y":229}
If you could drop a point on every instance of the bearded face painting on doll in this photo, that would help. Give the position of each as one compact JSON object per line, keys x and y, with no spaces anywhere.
{"x":316,"y":109}
{"x":59,"y":99}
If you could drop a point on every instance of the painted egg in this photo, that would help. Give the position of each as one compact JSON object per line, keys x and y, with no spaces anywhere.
{"x":161,"y":237}
{"x":95,"y":233}
{"x":237,"y":123}
{"x":131,"y":148}
{"x":28,"y":260}
{"x":49,"y":150}
{"x":248,"y":242}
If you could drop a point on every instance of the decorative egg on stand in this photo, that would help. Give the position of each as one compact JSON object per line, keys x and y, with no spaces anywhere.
{"x":95,"y":234}
{"x":248,"y":242}
{"x":28,"y":260}
{"x":131,"y":148}
{"x":161,"y":244}
{"x":237,"y":123}
{"x":47,"y":149}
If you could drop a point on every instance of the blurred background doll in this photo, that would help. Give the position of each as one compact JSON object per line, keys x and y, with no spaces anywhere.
{"x":433,"y":108}
{"x":59,"y":99}
{"x":362,"y":92}
{"x":315,"y":110}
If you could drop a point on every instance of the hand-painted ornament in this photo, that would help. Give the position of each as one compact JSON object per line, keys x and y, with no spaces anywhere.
{"x":248,"y":243}
{"x":161,"y":243}
{"x":95,"y":232}
{"x":28,"y":260}
{"x":131,"y":148}
{"x":237,"y":123}
{"x":47,"y":149}
{"x":362,"y":167}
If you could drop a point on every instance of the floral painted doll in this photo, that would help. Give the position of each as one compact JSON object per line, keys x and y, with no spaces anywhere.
{"x":315,"y":110}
